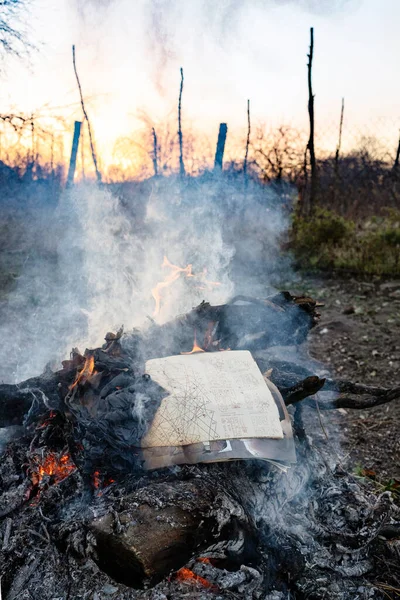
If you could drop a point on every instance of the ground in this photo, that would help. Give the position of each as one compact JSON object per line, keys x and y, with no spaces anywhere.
{"x":359,"y":339}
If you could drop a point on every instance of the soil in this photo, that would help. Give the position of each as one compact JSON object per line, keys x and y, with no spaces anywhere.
{"x":358,"y":338}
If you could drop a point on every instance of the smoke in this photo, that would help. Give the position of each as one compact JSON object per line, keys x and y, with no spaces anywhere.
{"x":94,"y":267}
{"x":174,"y":29}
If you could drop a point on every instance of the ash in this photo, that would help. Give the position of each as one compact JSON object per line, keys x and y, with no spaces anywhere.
{"x":81,"y":519}
{"x":318,"y":534}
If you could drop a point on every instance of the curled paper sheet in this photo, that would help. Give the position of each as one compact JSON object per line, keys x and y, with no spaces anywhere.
{"x":219,"y":407}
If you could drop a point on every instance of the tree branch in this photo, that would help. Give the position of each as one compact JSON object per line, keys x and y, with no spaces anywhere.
{"x":98,"y":174}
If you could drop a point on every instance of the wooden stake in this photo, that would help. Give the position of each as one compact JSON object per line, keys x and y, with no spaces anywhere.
{"x":338,"y":148}
{"x":310,"y":145}
{"x":248,"y":139}
{"x":74,"y":153}
{"x":155,"y":159}
{"x":219,"y":152}
{"x":98,"y":174}
{"x":397,"y":159}
{"x":181,"y":163}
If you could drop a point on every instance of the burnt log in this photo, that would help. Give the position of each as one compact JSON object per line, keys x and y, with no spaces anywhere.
{"x":163,"y":525}
{"x":244,"y":323}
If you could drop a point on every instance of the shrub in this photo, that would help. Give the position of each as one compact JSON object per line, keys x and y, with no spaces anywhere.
{"x":327,"y":240}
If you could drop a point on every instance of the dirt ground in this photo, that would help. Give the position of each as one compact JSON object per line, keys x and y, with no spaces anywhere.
{"x":358,"y":338}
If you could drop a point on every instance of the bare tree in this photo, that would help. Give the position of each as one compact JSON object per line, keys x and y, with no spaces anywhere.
{"x":13,"y":28}
{"x":278,"y":154}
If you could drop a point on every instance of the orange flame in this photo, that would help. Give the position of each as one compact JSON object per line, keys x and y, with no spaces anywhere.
{"x":204,"y":559}
{"x":96,"y":479}
{"x":57,"y":467}
{"x":196,"y":348}
{"x":174,"y":274}
{"x":85,"y":373}
{"x":185,"y":574}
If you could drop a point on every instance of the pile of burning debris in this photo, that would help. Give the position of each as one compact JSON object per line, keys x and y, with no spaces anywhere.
{"x":85,"y":513}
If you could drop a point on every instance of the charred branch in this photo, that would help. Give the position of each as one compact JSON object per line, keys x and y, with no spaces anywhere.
{"x":138,"y":544}
{"x":308,"y":387}
{"x":382,"y":396}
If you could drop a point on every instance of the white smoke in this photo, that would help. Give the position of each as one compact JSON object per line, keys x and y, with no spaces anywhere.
{"x":93,"y":266}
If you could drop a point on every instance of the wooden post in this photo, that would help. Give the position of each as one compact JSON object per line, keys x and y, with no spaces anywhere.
{"x":181,"y":163}
{"x":336,"y":186}
{"x":397,"y":159}
{"x":155,"y":158}
{"x":340,"y":135}
{"x":219,"y":152}
{"x":94,"y":156}
{"x":247,"y":140}
{"x":74,"y":153}
{"x":310,"y":145}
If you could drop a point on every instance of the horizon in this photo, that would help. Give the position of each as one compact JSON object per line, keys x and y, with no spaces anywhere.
{"x":128,"y":60}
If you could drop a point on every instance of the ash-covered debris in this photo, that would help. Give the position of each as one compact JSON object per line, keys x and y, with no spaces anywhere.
{"x":241,"y":530}
{"x":79,"y":518}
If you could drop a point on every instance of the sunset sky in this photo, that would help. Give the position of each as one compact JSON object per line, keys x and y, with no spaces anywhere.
{"x":129,"y":53}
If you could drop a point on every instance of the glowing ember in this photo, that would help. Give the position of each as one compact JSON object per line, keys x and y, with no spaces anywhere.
{"x":196,"y":348}
{"x":99,"y":482}
{"x":85,"y":373}
{"x":187,"y":575}
{"x":204,"y":559}
{"x":54,"y":466}
{"x":173,"y":275}
{"x":96,"y":479}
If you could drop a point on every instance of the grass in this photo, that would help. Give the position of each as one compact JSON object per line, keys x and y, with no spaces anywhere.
{"x":329,"y":241}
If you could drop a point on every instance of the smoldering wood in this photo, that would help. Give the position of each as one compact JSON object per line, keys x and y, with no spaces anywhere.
{"x":138,"y":544}
{"x":243,"y":323}
{"x":297,"y":530}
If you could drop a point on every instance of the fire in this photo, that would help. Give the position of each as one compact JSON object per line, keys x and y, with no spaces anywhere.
{"x":100,"y":482}
{"x":185,"y":574}
{"x":173,"y":275}
{"x":196,"y":348}
{"x":54,"y":466}
{"x":204,"y":559}
{"x":96,"y":479}
{"x":85,"y":373}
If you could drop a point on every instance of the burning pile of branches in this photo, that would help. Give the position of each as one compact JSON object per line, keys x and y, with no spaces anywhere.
{"x":81,"y":516}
